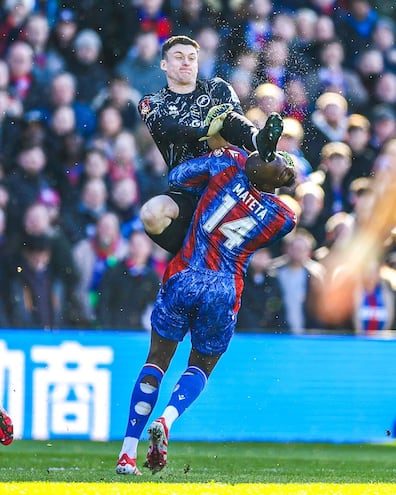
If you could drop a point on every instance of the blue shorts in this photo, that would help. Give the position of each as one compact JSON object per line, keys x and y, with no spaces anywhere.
{"x":202,"y":302}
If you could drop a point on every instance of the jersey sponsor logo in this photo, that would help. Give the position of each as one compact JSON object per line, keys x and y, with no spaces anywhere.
{"x":203,"y":101}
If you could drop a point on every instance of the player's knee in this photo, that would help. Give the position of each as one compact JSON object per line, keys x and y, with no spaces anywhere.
{"x":157,"y":213}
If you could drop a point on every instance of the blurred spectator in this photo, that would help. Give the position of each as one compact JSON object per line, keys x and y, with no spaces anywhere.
{"x":384,"y":38}
{"x":91,"y":164}
{"x":338,"y":229}
{"x":109,"y":19}
{"x":153,"y":175}
{"x":383,"y":126}
{"x":60,"y":129}
{"x":370,"y":66}
{"x":79,"y":218}
{"x":384,"y":90}
{"x":87,"y":66}
{"x":62,"y":92}
{"x":191,"y":16}
{"x":336,"y":160}
{"x":269,"y":98}
{"x":150,"y":15}
{"x":244,"y":77}
{"x":13,"y":25}
{"x":375,"y":302}
{"x":355,"y":27}
{"x":24,"y":85}
{"x":36,"y":292}
{"x":291,"y":141}
{"x":385,"y":158}
{"x":310,"y":197}
{"x":326,"y":124}
{"x":141,"y":66}
{"x":209,"y":42}
{"x":4,"y":75}
{"x":42,"y":219}
{"x":124,"y":201}
{"x":362,"y":199}
{"x":284,"y":27}
{"x":93,"y":256}
{"x":325,"y":28}
{"x":122,"y":96}
{"x":129,"y":288}
{"x":26,"y":182}
{"x":10,"y":129}
{"x":357,"y":137}
{"x":304,"y":46}
{"x":47,"y":62}
{"x":332,"y":76}
{"x":33,"y":129}
{"x":297,"y":101}
{"x":5,"y":268}
{"x":125,"y":160}
{"x":275,"y":65}
{"x":63,"y":34}
{"x":262,"y":308}
{"x":251,"y":28}
{"x":109,"y":127}
{"x":299,"y":277}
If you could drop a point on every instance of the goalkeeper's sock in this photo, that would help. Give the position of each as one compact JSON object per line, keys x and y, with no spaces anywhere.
{"x":186,"y":391}
{"x":239,"y":130}
{"x":143,"y":399}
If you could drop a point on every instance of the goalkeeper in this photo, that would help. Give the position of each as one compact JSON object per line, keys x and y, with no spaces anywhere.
{"x":187,"y":118}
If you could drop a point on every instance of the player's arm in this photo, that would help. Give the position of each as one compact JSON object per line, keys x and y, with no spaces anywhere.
{"x":191,"y":176}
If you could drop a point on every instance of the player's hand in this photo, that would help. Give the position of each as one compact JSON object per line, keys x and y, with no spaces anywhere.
{"x":215,"y":119}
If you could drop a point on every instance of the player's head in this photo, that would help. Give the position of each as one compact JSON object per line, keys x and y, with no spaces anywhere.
{"x":280,"y":172}
{"x":180,"y":63}
{"x":178,"y":40}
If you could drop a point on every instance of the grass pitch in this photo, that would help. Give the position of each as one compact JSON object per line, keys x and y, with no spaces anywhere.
{"x":224,"y":463}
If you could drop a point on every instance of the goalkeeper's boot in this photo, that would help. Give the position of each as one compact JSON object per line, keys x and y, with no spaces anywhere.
{"x":6,"y":428}
{"x":158,"y":449}
{"x":268,"y":137}
{"x":127,"y":465}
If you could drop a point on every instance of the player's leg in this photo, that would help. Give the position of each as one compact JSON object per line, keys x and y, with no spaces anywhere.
{"x":188,"y":388}
{"x":143,"y":399}
{"x":6,"y":428}
{"x":166,"y":219}
{"x":241,"y":132}
{"x":214,"y":322}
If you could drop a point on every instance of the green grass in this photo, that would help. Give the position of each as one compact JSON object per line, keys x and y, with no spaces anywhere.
{"x":74,"y":461}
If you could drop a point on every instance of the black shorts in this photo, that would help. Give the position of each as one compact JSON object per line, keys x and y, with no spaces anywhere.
{"x":186,"y":202}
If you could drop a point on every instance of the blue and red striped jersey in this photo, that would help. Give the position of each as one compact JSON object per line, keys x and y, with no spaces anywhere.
{"x":233,"y":219}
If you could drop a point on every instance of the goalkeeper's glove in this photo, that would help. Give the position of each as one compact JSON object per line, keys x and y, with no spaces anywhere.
{"x":215,"y":119}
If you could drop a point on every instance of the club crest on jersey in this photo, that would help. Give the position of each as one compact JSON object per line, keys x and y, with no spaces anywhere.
{"x":145,"y":106}
{"x":203,"y":101}
{"x":218,"y":152}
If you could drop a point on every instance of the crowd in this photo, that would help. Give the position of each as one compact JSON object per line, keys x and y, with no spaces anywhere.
{"x":77,"y":162}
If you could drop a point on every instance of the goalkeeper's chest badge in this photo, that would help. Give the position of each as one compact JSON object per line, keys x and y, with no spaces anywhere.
{"x":145,"y":106}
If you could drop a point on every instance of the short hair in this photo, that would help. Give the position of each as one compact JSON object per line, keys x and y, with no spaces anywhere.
{"x":336,"y":148}
{"x":178,"y":40}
